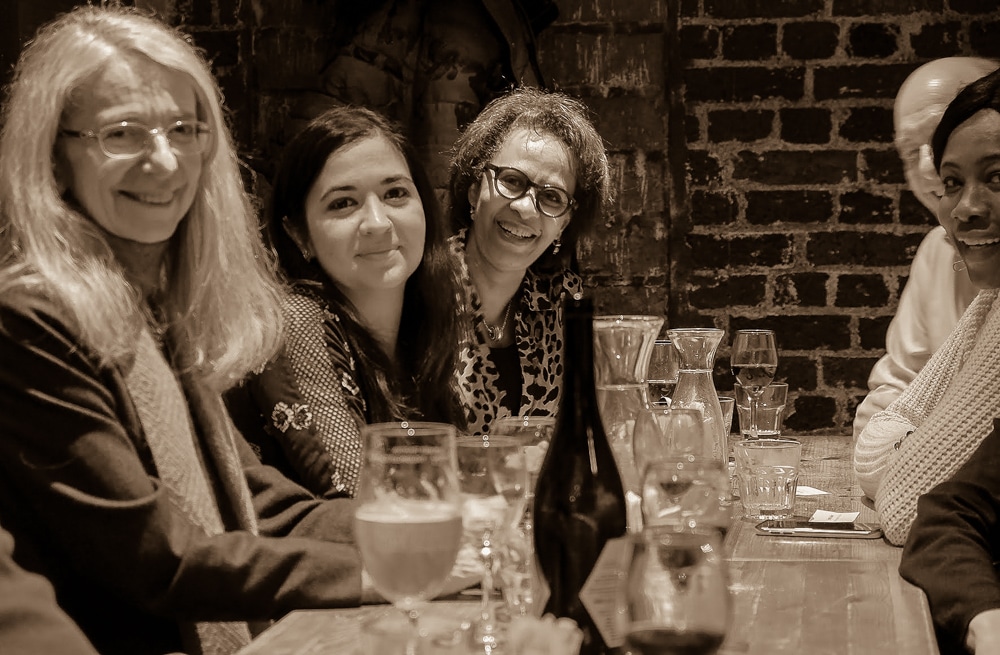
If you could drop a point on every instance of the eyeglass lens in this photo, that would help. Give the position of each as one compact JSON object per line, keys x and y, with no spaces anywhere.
{"x":513,"y":184}
{"x":133,"y":138}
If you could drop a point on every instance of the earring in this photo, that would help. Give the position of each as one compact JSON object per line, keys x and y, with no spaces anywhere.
{"x":958,"y":266}
{"x":556,"y":245}
{"x":472,"y":214}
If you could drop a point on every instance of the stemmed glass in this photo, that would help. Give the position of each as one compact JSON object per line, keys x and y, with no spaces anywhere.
{"x":661,"y":374}
{"x":493,"y":479}
{"x":408,"y":521}
{"x":518,"y":573}
{"x":754,"y":361}
{"x":688,"y":491}
{"x":676,"y":595}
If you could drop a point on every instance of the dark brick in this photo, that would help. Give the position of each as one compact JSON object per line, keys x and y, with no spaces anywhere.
{"x":983,"y":38}
{"x":800,"y":290}
{"x":639,"y":181}
{"x":771,"y":207}
{"x":937,"y":40}
{"x":912,"y":211}
{"x":973,"y":6}
{"x":810,"y":40}
{"x":811,"y":413}
{"x":811,"y":125}
{"x":844,"y":372}
{"x":861,"y":291}
{"x":804,"y":332}
{"x":885,"y":7}
{"x":689,"y":8}
{"x":750,"y":42}
{"x":799,"y":372}
{"x":703,"y":167}
{"x":628,"y":300}
{"x":715,"y":291}
{"x":692,"y":128}
{"x":229,"y":12}
{"x":738,"y":125}
{"x":699,"y":42}
{"x":627,"y":121}
{"x":868,"y":124}
{"x":713,"y":208}
{"x":872,"y":333}
{"x":883,"y":166}
{"x":861,"y":207}
{"x":861,"y":248}
{"x":715,"y":252}
{"x":744,"y":84}
{"x":873,"y":40}
{"x":221,"y":47}
{"x":860,"y":81}
{"x":763,"y":8}
{"x":199,"y":13}
{"x":796,"y":167}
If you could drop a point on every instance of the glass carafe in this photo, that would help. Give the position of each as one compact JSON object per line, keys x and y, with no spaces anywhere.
{"x":622,"y":346}
{"x":696,"y":348}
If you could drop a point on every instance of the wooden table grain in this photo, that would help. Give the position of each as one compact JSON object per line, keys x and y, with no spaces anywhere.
{"x":791,"y":596}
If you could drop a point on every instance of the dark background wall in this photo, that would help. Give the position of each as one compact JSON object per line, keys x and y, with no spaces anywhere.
{"x":750,"y":140}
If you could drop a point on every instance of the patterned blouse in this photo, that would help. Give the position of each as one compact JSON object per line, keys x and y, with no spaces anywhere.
{"x":538,"y":335}
{"x":308,"y":401}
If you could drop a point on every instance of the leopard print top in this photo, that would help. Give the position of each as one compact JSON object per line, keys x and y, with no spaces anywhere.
{"x":538,"y":335}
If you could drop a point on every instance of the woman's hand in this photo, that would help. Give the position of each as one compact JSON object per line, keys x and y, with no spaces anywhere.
{"x":983,"y":636}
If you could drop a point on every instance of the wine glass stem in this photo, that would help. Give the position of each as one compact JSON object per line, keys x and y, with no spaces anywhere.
{"x":754,"y":434}
{"x":488,"y":557}
{"x":412,"y":642}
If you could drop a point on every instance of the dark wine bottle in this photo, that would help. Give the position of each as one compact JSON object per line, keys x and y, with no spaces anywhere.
{"x":579,"y":499}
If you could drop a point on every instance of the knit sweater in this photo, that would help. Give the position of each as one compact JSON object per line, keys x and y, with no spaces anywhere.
{"x":927,"y":433}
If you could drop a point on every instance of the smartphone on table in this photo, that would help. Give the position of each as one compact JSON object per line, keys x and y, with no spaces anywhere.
{"x":806,"y":528}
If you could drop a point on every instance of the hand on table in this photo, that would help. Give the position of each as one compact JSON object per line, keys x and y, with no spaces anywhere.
{"x":983,"y":637}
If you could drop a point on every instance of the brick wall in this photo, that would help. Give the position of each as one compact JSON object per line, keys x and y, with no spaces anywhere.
{"x":751,"y":147}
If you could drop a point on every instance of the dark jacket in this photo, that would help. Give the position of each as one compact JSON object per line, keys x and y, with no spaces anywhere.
{"x":79,"y":492}
{"x":954,"y":545}
{"x":30,"y":621}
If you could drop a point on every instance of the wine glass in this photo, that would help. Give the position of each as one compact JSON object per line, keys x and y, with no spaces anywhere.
{"x":408,"y":521}
{"x":689,"y":491}
{"x":494,"y":480}
{"x":676,"y":595}
{"x":661,"y":374}
{"x":754,"y":361}
{"x":518,"y":573}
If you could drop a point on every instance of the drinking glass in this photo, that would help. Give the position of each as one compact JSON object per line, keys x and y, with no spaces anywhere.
{"x":754,"y":361}
{"x":494,"y":482}
{"x":519,"y":576}
{"x":408,"y":521}
{"x":676,"y":594}
{"x":687,"y":491}
{"x":661,"y":374}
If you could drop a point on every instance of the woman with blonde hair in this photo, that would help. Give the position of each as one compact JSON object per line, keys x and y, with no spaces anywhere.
{"x":133,"y":291}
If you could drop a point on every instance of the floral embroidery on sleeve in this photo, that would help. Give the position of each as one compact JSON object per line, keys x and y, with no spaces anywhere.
{"x":297,"y":416}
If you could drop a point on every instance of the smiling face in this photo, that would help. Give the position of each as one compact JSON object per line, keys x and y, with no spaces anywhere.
{"x":509,"y":235}
{"x":365,"y":219}
{"x":970,"y":208}
{"x":143,"y":198}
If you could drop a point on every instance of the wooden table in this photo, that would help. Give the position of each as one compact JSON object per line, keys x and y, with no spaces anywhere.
{"x":790,"y":595}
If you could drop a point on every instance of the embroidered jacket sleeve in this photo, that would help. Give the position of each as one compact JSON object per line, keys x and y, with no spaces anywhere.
{"x":80,"y":494}
{"x":953,"y":547}
{"x":310,"y":401}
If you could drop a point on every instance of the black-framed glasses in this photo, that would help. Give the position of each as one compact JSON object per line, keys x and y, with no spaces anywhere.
{"x":512,"y":184}
{"x":125,"y":140}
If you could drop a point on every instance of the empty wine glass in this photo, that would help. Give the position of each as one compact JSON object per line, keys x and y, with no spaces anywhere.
{"x":676,"y":595}
{"x":754,"y":361}
{"x":661,"y":374}
{"x":408,"y":521}
{"x":518,"y":573}
{"x":687,"y":491}
{"x":493,"y":480}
